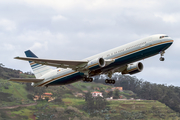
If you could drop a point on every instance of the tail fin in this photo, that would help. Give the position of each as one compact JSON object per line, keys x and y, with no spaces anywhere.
{"x":38,"y":69}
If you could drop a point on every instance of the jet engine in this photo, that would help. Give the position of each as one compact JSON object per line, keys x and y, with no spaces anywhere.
{"x":98,"y":63}
{"x":133,"y":68}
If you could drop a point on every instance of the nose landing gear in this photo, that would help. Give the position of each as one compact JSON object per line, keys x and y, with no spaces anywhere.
{"x":161,"y":58}
{"x":162,"y":54}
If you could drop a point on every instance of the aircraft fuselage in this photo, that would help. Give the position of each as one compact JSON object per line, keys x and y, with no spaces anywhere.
{"x":123,"y":55}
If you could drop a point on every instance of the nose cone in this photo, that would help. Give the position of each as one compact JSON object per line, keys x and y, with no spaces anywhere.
{"x":168,"y":43}
{"x":168,"y":40}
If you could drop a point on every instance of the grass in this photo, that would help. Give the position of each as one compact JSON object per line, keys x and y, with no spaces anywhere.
{"x":143,"y":105}
{"x":23,"y":112}
{"x":73,"y":101}
{"x":18,"y":90}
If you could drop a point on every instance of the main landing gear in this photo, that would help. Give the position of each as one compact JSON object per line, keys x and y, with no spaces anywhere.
{"x":162,"y":54}
{"x":110,"y":81}
{"x":86,"y":79}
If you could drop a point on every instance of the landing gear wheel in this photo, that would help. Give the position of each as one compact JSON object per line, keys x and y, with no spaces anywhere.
{"x":84,"y":79}
{"x":91,"y":79}
{"x":106,"y":81}
{"x":113,"y":81}
{"x":161,"y":59}
{"x":110,"y":81}
{"x":162,"y":54}
{"x":87,"y":79}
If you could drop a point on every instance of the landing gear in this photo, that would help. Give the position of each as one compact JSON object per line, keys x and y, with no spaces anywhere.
{"x":162,"y":54}
{"x":161,"y":58}
{"x":110,"y":81}
{"x":86,"y":79}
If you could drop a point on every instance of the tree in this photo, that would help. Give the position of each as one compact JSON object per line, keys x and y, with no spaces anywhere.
{"x":1,"y":65}
{"x":89,"y":100}
{"x":30,"y":96}
{"x":104,"y":94}
{"x":110,"y":94}
{"x":116,"y":94}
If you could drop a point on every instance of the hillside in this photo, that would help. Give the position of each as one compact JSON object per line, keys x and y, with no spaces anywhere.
{"x":7,"y":73}
{"x":68,"y":106}
{"x":74,"y":102}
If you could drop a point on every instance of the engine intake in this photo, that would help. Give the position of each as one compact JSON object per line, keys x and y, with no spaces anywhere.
{"x":96,"y":64}
{"x":133,"y":68}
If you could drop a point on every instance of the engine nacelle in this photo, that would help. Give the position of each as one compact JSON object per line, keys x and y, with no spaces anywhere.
{"x":133,"y":68}
{"x":98,"y":63}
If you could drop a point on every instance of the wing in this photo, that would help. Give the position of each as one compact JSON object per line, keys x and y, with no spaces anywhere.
{"x":28,"y":80}
{"x":56,"y":63}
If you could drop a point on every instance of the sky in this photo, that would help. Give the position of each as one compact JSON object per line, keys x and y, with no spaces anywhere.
{"x":77,"y":29}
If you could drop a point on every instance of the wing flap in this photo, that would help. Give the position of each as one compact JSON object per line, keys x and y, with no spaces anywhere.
{"x":26,"y":80}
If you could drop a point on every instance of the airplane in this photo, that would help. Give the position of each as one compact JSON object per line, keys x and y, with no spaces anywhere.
{"x":121,"y":59}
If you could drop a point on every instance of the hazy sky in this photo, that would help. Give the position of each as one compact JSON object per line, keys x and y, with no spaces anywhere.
{"x":76,"y":29}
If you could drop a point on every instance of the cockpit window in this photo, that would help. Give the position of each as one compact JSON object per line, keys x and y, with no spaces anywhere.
{"x":163,"y":37}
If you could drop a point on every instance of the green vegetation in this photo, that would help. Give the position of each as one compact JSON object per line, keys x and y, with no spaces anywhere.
{"x":16,"y":101}
{"x":169,"y":95}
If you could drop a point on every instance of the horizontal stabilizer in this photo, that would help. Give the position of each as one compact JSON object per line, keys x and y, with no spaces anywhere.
{"x":26,"y":80}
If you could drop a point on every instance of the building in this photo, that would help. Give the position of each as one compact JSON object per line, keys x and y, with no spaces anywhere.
{"x":36,"y":97}
{"x":79,"y":95}
{"x":44,"y":96}
{"x":95,"y":94}
{"x":118,"y":88}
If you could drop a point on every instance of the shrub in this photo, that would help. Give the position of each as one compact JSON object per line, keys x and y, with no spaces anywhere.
{"x":60,"y":109}
{"x":58,"y":100}
{"x":5,"y":97}
{"x":6,"y":87}
{"x":71,"y":109}
{"x":30,"y":96}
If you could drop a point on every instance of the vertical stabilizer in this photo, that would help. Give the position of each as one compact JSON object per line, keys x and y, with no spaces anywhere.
{"x":38,"y":69}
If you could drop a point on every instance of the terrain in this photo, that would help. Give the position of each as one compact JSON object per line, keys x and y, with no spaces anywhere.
{"x":75,"y":102}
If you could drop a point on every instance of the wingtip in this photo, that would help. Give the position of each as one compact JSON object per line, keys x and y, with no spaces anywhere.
{"x":16,"y":57}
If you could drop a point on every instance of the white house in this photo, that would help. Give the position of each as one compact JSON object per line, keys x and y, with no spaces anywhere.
{"x":95,"y":94}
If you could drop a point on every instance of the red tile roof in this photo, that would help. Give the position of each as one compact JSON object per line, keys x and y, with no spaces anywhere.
{"x":47,"y":93}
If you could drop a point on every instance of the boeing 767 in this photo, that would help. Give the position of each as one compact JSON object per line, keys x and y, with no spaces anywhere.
{"x":121,"y":59}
